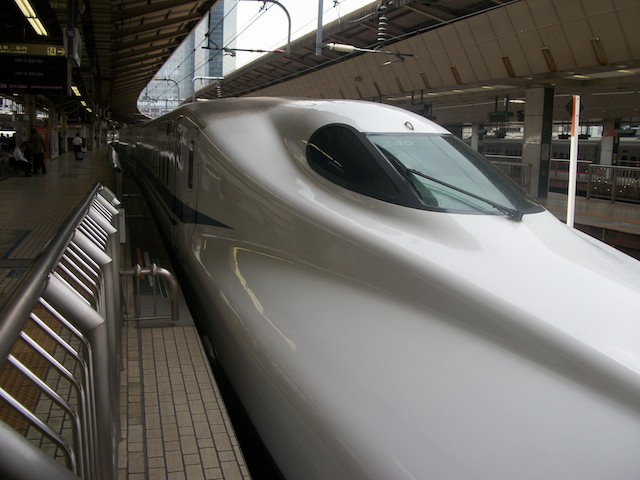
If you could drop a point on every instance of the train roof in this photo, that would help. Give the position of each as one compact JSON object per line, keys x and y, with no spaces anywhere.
{"x":364,"y":116}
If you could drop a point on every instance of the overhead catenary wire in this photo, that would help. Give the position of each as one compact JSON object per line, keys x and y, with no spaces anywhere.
{"x":370,"y":48}
{"x":159,"y":89}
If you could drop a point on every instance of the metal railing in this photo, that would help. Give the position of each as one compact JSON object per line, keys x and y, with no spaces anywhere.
{"x":162,"y":282}
{"x":559,"y":170}
{"x":614,"y":183}
{"x":516,"y":171}
{"x":156,"y":274}
{"x":60,"y":331}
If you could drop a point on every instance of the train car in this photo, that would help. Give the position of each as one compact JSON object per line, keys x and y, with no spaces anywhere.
{"x":589,"y":150}
{"x":388,"y":305}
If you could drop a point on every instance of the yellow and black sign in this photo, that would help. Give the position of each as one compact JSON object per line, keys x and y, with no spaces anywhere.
{"x":33,"y":68}
{"x":33,"y":49}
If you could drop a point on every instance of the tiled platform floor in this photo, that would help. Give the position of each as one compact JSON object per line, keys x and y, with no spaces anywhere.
{"x":173,"y":420}
{"x":623,"y":217}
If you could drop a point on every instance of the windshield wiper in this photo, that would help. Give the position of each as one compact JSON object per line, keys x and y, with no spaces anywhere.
{"x":512,"y":213}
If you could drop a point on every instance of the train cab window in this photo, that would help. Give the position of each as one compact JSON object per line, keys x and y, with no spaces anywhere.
{"x":451,"y":176}
{"x":192,"y":149}
{"x":339,"y":154}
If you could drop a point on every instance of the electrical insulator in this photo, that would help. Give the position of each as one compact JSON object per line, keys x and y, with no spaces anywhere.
{"x":339,"y":47}
{"x":382,"y":25}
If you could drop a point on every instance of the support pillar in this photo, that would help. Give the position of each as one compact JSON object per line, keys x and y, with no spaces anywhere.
{"x":53,"y":132}
{"x":476,"y":141}
{"x":538,"y":127}
{"x":606,"y":145}
{"x":455,"y":129}
{"x":63,"y":133}
{"x":30,"y":109}
{"x":21,"y":124}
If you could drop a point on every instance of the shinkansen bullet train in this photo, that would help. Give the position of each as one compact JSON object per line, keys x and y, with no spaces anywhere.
{"x":386,"y":304}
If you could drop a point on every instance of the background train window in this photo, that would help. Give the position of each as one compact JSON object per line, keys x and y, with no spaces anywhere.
{"x":338,"y":154}
{"x":192,"y":148}
{"x":164,"y":170}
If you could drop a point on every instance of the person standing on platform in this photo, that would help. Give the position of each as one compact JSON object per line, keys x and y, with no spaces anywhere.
{"x":36,"y":147}
{"x":77,"y":146}
{"x":21,"y":160}
{"x":12,"y":143}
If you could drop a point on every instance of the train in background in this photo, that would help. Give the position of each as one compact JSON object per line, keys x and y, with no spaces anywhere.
{"x":589,"y":149}
{"x":387,"y":304}
{"x":623,"y":184}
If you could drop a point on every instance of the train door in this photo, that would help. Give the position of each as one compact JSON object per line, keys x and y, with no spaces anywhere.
{"x":178,"y":171}
{"x":186,"y":184}
{"x":191,"y":181}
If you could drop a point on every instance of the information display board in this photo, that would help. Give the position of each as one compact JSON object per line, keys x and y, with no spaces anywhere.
{"x":33,"y":68}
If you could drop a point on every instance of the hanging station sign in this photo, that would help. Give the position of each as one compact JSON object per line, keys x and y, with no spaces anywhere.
{"x":33,"y":68}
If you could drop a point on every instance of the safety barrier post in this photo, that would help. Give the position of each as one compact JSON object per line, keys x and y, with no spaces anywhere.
{"x":89,"y":321}
{"x":70,"y":298}
{"x":20,"y":460}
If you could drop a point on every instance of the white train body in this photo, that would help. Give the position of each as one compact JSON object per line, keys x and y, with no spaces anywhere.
{"x":384,"y":338}
{"x":589,"y":150}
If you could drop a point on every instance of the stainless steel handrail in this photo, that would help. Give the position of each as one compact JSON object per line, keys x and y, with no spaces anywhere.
{"x":154,"y":271}
{"x":517,"y":171}
{"x":82,"y":255}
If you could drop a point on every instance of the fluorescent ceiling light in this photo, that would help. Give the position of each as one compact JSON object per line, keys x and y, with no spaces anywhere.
{"x":30,"y":14}
{"x":609,"y":74}
{"x":548,"y":58}
{"x":598,"y":49}
{"x":508,"y":66}
{"x":37,"y":26}
{"x":26,"y":8}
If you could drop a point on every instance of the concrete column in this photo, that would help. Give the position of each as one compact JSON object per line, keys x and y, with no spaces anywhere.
{"x":30,"y":109}
{"x":475,"y":137}
{"x":22,"y":128}
{"x":53,"y":132}
{"x":63,"y":132}
{"x":606,"y":145}
{"x":538,"y":126}
{"x":455,"y":129}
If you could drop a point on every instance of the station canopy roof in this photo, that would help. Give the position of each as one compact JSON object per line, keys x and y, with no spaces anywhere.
{"x":465,"y":46}
{"x":124,"y":43}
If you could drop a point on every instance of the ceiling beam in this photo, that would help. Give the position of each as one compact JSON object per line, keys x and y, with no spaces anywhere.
{"x":122,"y":12}
{"x":122,"y":32}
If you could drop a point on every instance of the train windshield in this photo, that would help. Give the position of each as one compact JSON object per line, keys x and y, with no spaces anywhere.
{"x":449,"y":175}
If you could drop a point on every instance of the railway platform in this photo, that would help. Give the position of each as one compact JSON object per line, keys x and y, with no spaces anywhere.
{"x":173,"y":422}
{"x":617,"y":224}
